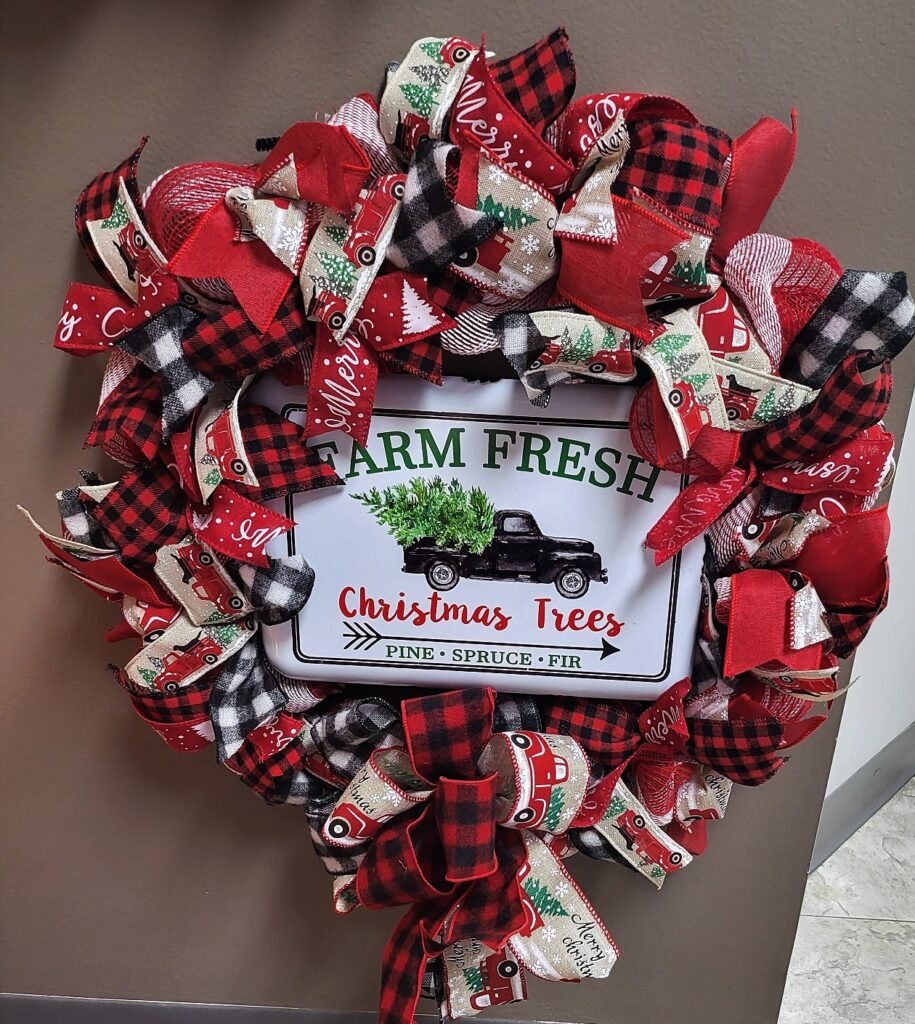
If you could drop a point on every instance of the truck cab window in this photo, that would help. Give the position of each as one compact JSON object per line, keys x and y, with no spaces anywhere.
{"x":518,"y":524}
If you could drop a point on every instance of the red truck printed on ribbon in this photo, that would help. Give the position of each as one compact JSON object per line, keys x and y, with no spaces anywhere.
{"x":199,"y":572}
{"x":539,"y":771}
{"x":180,"y":663}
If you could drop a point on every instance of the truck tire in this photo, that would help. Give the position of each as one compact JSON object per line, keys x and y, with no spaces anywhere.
{"x":466,"y":259}
{"x":571,"y":582}
{"x":442,"y":574}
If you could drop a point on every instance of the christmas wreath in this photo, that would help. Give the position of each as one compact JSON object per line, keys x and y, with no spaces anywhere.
{"x":477,"y":206}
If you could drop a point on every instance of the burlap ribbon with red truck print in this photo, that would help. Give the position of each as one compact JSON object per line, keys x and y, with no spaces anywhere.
{"x":444,"y":816}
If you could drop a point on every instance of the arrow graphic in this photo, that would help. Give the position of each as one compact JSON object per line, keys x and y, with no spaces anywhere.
{"x":362,"y":636}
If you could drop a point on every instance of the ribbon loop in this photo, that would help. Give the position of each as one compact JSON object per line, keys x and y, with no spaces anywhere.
{"x":465,"y":810}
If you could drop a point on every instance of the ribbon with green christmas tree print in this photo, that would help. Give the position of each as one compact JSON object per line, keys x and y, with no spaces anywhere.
{"x":429,"y":817}
{"x":419,"y":92}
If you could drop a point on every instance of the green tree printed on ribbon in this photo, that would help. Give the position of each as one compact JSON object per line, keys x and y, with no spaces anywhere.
{"x":698,"y":380}
{"x":336,"y":233}
{"x":473,"y":979}
{"x":657,"y":871}
{"x":577,"y":350}
{"x":448,"y":514}
{"x":512,"y":217}
{"x":610,"y":341}
{"x":691,"y":273}
{"x":149,"y":676}
{"x":432,"y":48}
{"x":546,"y":904}
{"x":223,"y":634}
{"x":766,"y":408}
{"x":668,"y":345}
{"x":420,"y":97}
{"x":433,"y":75}
{"x":340,"y":272}
{"x":616,"y":807}
{"x":118,"y":217}
{"x":213,"y":477}
{"x":555,"y":809}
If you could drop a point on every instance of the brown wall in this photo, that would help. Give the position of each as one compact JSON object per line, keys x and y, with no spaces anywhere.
{"x":131,"y":871}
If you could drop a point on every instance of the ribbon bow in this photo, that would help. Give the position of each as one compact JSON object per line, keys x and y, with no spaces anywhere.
{"x":432,"y":812}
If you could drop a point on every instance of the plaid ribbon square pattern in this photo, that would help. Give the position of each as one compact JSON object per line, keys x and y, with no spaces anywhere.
{"x":865,"y":311}
{"x":97,"y":201}
{"x":349,"y":730}
{"x":432,"y":229}
{"x":244,"y":695}
{"x":680,"y":165}
{"x":540,"y":80}
{"x":144,"y":511}
{"x":76,"y":521}
{"x":157,"y":344}
{"x":280,"y":591}
{"x":227,"y":345}
{"x":281,"y":461}
{"x":743,"y":751}
{"x":420,"y":358}
{"x":128,"y":425}
{"x":847,"y":405}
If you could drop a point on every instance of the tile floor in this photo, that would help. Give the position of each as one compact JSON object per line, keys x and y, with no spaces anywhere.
{"x":854,"y":955}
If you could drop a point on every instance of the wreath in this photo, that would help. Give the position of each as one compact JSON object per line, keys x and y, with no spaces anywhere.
{"x":611,"y":238}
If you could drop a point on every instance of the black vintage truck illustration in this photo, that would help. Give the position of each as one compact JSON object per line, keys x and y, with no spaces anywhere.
{"x":517,"y":551}
{"x":448,"y":531}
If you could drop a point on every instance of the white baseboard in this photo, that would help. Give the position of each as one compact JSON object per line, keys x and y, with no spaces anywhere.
{"x":849,"y":806}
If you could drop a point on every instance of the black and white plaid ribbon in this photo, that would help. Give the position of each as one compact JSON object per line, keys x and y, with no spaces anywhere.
{"x":351,"y":729}
{"x":244,"y":695}
{"x":157,"y":344}
{"x":432,"y":228}
{"x":76,"y":521}
{"x":865,"y":311}
{"x":280,"y":591}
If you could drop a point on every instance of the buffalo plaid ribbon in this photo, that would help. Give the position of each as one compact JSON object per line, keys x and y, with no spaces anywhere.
{"x":540,"y":80}
{"x":865,"y":311}
{"x":157,"y":344}
{"x":447,"y":856}
{"x":128,"y":425}
{"x":846,"y":405}
{"x":432,"y":229}
{"x":743,"y":751}
{"x":180,"y":718}
{"x":228,"y":346}
{"x":280,"y":777}
{"x":75,"y":520}
{"x":421,"y":358}
{"x":97,"y":201}
{"x":346,"y":732}
{"x":186,"y":704}
{"x":278,"y":592}
{"x":680,"y":165}
{"x":607,"y":729}
{"x":281,"y":460}
{"x":244,"y":696}
{"x":142,"y":512}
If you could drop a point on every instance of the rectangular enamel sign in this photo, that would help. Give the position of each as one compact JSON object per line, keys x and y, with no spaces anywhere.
{"x":563,"y":599}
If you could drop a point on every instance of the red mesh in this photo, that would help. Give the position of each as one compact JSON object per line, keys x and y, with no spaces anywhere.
{"x":176,"y":201}
{"x":810,"y":274}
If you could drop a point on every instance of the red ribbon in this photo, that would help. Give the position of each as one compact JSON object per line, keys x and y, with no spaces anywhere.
{"x":448,"y":859}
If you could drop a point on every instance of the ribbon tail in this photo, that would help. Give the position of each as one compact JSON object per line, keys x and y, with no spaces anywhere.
{"x":402,"y":968}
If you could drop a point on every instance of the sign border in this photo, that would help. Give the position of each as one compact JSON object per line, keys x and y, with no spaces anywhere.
{"x":305,"y":659}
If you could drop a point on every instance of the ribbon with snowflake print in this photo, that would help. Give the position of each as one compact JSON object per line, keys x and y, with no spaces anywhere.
{"x":431,"y":812}
{"x":474,"y":205}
